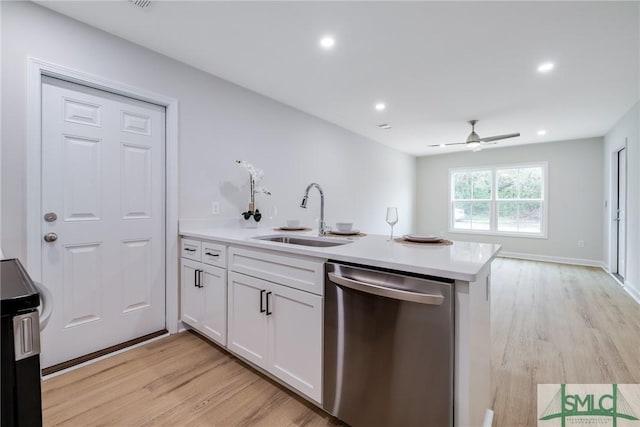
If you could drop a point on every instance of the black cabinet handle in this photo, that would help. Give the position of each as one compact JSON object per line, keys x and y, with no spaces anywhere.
{"x":199,"y":276}
{"x":210,"y":254}
{"x":262,"y":310}
{"x":195,"y":278}
{"x":268,"y":312}
{"x":189,"y":249}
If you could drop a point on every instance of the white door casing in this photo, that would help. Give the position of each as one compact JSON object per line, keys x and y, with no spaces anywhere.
{"x":621,"y":209}
{"x":103,"y":176}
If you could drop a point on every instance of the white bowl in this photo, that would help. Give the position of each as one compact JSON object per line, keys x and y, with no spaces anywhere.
{"x":344,"y":226}
{"x":293,"y":223}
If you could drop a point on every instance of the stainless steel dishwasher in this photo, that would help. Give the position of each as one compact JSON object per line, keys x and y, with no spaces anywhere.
{"x":388,"y":348}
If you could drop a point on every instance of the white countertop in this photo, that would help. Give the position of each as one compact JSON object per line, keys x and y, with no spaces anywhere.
{"x":461,"y":261}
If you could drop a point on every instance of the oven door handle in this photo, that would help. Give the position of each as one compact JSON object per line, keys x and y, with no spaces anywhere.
{"x":398,"y":294}
{"x":46,"y":305}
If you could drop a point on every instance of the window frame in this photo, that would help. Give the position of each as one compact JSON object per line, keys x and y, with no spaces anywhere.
{"x":493,"y":201}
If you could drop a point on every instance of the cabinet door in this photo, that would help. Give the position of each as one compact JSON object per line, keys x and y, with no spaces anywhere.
{"x":192,"y":301}
{"x":214,"y":319}
{"x":295,"y":329}
{"x":247,"y":328}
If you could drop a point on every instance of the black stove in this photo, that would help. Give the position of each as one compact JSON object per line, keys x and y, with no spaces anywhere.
{"x":20,"y":349}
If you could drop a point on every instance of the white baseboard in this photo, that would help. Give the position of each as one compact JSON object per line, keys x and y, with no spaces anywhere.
{"x":632,"y":291}
{"x":488,"y":418}
{"x":556,"y":259}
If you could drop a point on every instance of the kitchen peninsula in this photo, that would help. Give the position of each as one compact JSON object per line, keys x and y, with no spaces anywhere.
{"x":248,"y":258}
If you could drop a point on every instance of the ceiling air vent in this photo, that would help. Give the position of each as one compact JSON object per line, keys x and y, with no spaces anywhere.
{"x":141,"y":3}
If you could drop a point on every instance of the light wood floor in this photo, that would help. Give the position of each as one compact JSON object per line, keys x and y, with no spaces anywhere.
{"x":182,"y":380}
{"x":551,"y":323}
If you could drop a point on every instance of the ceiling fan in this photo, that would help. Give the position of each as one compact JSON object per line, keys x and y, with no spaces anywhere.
{"x":474,"y":141}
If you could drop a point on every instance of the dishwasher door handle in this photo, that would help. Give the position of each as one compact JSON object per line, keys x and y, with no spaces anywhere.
{"x":386,"y":292}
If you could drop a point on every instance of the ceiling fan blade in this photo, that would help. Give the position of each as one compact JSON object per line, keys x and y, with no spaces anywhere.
{"x":498,"y":137}
{"x":452,"y":143}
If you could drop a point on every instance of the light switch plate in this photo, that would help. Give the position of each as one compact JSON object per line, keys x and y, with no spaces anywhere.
{"x":215,"y":208}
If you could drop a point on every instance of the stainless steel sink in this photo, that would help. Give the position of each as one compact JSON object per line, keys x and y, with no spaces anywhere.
{"x":318,"y":242}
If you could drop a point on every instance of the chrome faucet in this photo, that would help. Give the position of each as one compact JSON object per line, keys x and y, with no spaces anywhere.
{"x":321,"y":231}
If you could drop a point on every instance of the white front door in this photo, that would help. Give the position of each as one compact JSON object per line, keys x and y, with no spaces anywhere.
{"x":103,"y":181}
{"x":621,"y":213}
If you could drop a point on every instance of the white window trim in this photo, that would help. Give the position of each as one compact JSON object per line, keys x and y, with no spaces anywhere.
{"x":493,"y":201}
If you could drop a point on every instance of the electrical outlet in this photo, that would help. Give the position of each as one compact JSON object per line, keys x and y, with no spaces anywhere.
{"x":215,"y":208}
{"x":581,"y":243}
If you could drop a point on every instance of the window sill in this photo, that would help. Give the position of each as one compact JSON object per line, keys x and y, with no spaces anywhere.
{"x":499,"y":234}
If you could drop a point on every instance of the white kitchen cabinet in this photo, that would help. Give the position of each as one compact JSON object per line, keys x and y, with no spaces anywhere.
{"x":248,"y":335}
{"x":204,"y":299}
{"x":295,"y":332}
{"x":190,"y":249}
{"x":279,"y":329}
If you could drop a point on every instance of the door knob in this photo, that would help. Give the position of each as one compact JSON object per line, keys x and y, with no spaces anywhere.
{"x":50,"y":216}
{"x":50,"y":237}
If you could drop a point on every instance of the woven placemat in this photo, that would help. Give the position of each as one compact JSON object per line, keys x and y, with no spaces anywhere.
{"x":297,"y":229}
{"x":409,"y":242}
{"x":332,"y":234}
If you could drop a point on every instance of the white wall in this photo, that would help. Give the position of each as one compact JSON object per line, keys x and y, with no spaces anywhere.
{"x":625,"y":133}
{"x":575,"y":197}
{"x":219,"y":122}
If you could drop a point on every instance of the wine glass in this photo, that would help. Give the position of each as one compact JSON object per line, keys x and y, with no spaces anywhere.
{"x":273,"y":212}
{"x":392,"y":219}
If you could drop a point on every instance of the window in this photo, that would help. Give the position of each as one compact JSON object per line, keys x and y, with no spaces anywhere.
{"x":499,"y":200}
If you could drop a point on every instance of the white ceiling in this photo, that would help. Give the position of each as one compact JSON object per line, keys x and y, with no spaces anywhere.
{"x":435,"y":64}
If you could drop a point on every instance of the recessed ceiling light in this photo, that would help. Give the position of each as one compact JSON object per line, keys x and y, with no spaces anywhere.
{"x":384,"y":126}
{"x":542,"y":132}
{"x":380,"y":106}
{"x":545,"y":67}
{"x":327,"y":42}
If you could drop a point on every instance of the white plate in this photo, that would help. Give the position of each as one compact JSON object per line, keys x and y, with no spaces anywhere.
{"x":292,"y":228}
{"x":346,"y":233}
{"x":423,"y":238}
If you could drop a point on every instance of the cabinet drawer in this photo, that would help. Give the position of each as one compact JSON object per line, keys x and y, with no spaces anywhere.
{"x":191,"y":249}
{"x":306,"y":274}
{"x":214,"y":254}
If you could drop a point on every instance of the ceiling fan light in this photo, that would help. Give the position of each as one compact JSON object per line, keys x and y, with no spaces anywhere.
{"x":473,"y":144}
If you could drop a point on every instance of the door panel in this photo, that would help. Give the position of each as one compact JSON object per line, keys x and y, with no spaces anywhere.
{"x":135,"y":182}
{"x":136,"y":274}
{"x":106,"y":184}
{"x":136,"y":123}
{"x":84,"y":113}
{"x":82,"y":284}
{"x":82,"y":179}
